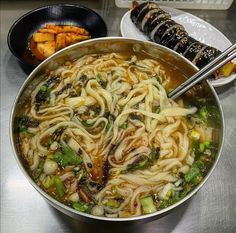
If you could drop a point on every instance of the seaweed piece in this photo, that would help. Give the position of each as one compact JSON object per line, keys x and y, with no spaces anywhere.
{"x":149,"y":6}
{"x":150,"y":23}
{"x":170,"y":32}
{"x":42,"y":97}
{"x":207,"y":55}
{"x":162,"y":29}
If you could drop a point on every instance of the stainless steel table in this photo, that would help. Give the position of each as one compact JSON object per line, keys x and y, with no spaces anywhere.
{"x":23,"y":210}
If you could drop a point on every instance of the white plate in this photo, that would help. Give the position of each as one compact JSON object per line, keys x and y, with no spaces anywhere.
{"x":196,"y":27}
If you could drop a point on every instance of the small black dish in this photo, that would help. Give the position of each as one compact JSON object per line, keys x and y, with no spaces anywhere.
{"x":61,"y":14}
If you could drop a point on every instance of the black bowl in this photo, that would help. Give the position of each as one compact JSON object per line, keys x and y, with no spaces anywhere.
{"x":61,"y":14}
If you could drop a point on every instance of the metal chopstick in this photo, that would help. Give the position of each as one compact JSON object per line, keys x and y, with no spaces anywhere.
{"x":222,"y":59}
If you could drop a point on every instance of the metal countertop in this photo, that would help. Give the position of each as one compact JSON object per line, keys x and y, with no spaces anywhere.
{"x":23,"y":210}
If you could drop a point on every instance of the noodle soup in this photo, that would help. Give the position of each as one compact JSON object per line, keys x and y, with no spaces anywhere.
{"x":100,"y":135}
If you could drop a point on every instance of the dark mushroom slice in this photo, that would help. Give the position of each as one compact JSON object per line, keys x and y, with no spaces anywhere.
{"x":154,"y":19}
{"x":144,"y":12}
{"x":207,"y":55}
{"x":135,"y":12}
{"x":193,"y":50}
{"x":161,"y":29}
{"x":169,"y":33}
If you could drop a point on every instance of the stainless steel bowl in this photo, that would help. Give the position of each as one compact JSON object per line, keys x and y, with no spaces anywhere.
{"x":177,"y":63}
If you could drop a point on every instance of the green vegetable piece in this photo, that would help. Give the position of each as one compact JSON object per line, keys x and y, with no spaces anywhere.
{"x":141,"y":163}
{"x":67,"y":157}
{"x":158,"y":109}
{"x":211,"y":146}
{"x":86,"y":124}
{"x":169,"y":194}
{"x":80,"y":206}
{"x":113,"y":72}
{"x":193,"y":172}
{"x":124,"y":125}
{"x":43,"y":88}
{"x":24,"y":123}
{"x":155,"y":153}
{"x":187,"y":188}
{"x":201,"y":165}
{"x":70,"y":157}
{"x":203,"y":113}
{"x":58,"y":156}
{"x":99,"y":77}
{"x":50,"y":142}
{"x":164,"y":204}
{"x":108,"y":126}
{"x":175,"y":198}
{"x":48,"y":182}
{"x":195,"y":135}
{"x":113,"y":203}
{"x":207,"y":144}
{"x":196,"y":149}
{"x":27,"y":134}
{"x":158,"y":78}
{"x":60,"y":188}
{"x":148,"y":205}
{"x":38,"y":171}
{"x":201,"y":147}
{"x":197,"y":180}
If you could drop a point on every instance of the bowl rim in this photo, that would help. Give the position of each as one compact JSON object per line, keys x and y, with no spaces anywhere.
{"x":41,"y":8}
{"x":60,"y":205}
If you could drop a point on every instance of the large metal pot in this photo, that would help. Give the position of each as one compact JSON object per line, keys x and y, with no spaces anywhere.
{"x":179,"y":65}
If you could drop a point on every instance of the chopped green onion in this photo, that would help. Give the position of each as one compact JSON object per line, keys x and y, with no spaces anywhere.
{"x":48,"y":182}
{"x":86,"y":124}
{"x":43,"y":88}
{"x":113,"y":203}
{"x":124,"y":125}
{"x":148,"y":205}
{"x":195,"y":135}
{"x":158,"y":109}
{"x":196,"y":149}
{"x":67,"y":157}
{"x":169,"y":194}
{"x":59,"y":186}
{"x":155,"y":153}
{"x":201,"y":165}
{"x":108,"y":126}
{"x":193,"y":172}
{"x":164,"y":204}
{"x":81,"y":206}
{"x":187,"y":188}
{"x":158,"y":78}
{"x":175,"y":198}
{"x":203,"y":113}
{"x":99,"y":77}
{"x":201,"y":147}
{"x":196,"y":180}
{"x":38,"y":171}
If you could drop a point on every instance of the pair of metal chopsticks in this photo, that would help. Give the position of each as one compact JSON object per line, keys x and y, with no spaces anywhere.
{"x":204,"y":73}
